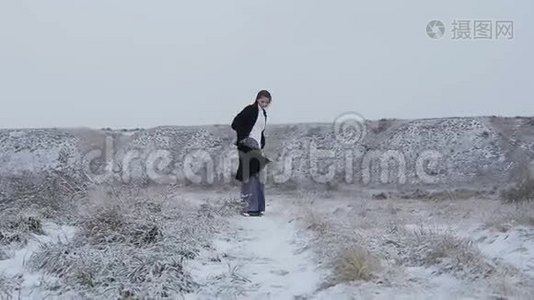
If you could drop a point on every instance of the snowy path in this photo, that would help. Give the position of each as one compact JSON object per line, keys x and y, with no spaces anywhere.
{"x":268,"y":258}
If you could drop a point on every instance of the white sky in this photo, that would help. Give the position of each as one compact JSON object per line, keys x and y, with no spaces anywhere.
{"x":134,"y":63}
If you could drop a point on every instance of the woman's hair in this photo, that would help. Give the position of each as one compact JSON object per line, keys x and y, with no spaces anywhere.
{"x":263,"y":93}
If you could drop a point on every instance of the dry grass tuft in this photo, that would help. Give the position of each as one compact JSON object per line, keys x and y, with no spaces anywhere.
{"x":451,"y":254}
{"x":340,"y":248}
{"x":508,"y":216}
{"x":523,"y":214}
{"x":315,"y":221}
{"x":355,"y":263}
{"x":16,"y":229}
{"x":446,"y":246}
{"x":9,"y":285}
{"x":228,"y":206}
{"x":228,"y":285}
{"x":523,"y":191}
{"x":28,"y":200}
{"x":53,"y":194}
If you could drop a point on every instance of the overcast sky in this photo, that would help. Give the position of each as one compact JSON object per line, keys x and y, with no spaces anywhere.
{"x":132,"y":63}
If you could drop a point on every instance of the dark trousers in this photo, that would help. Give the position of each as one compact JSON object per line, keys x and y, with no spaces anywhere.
{"x":252,"y":192}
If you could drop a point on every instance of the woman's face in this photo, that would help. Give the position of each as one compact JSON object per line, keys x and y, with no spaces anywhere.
{"x":264,"y":102}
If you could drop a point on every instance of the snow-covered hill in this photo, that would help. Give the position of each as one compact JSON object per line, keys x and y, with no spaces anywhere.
{"x":481,"y":152}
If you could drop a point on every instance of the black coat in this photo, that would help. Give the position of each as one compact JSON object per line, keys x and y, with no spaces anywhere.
{"x":243,"y":124}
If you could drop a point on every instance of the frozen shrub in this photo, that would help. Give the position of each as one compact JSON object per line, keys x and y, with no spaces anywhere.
{"x":228,"y":206}
{"x":427,"y":247}
{"x":16,"y":228}
{"x":9,"y":286}
{"x":129,"y":245}
{"x":52,"y":194}
{"x":523,"y":191}
{"x":355,"y":263}
{"x":315,"y":221}
{"x":228,"y":285}
{"x":508,"y":216}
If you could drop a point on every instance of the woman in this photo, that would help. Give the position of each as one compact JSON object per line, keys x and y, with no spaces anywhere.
{"x":249,"y":125}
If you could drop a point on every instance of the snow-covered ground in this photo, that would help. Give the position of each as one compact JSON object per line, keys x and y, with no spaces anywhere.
{"x":473,"y":248}
{"x":15,"y":266}
{"x":414,"y":249}
{"x":280,"y":256}
{"x":259,"y":258}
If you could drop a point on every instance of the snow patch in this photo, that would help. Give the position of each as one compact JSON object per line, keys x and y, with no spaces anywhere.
{"x":16,"y":264}
{"x":266,"y":258}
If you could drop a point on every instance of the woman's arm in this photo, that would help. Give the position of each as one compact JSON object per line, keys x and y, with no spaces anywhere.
{"x":244,"y":116}
{"x":236,"y":123}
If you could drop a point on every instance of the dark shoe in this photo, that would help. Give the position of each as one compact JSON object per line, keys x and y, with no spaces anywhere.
{"x":251,"y":213}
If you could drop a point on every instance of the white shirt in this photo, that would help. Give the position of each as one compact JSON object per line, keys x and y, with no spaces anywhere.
{"x":259,"y":126}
